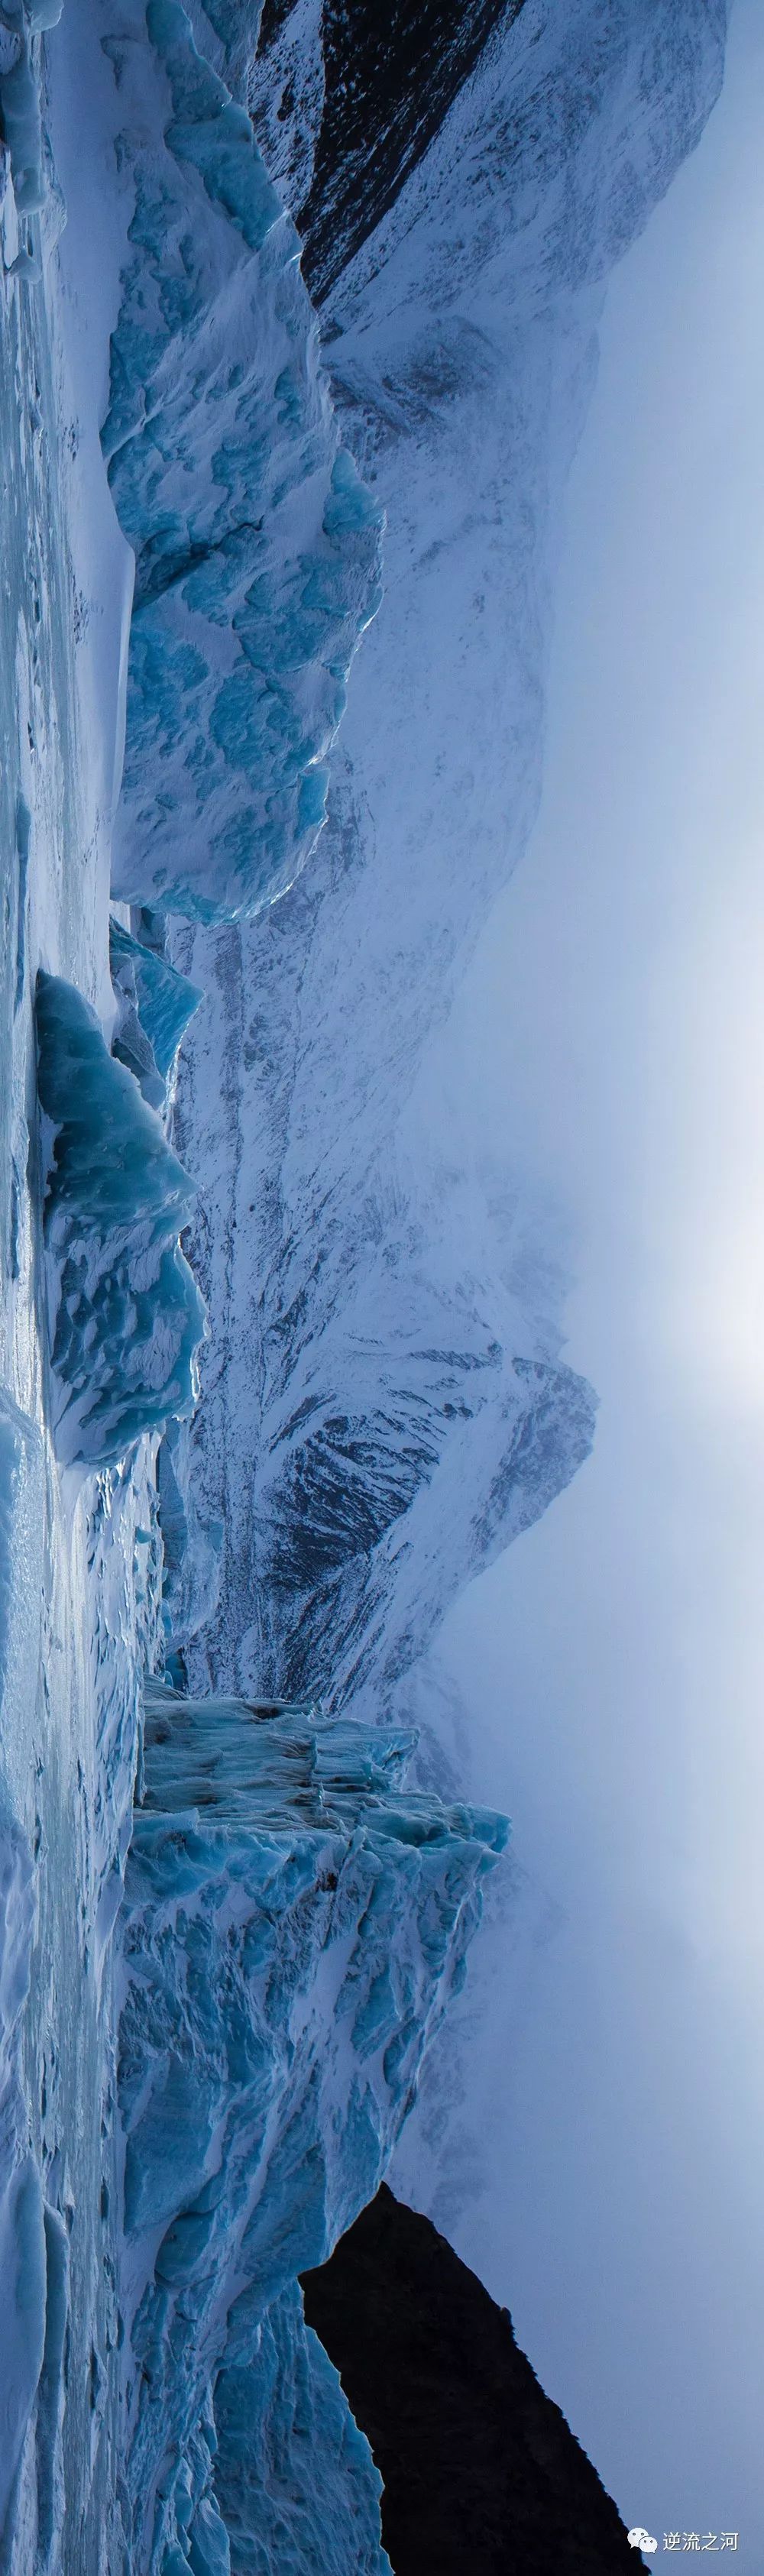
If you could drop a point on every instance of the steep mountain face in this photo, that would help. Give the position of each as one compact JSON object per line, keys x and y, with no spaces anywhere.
{"x":387,"y":82}
{"x":479,"y":2467}
{"x":384,"y":1404}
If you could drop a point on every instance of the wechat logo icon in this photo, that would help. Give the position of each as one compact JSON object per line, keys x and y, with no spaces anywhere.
{"x":641,"y":2540}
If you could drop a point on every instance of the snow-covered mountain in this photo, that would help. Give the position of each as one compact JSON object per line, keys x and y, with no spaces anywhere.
{"x":384,"y":1404}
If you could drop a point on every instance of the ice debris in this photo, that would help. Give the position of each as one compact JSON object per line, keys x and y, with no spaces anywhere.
{"x":293,"y":1929}
{"x":127,"y":1318}
{"x":256,"y":544}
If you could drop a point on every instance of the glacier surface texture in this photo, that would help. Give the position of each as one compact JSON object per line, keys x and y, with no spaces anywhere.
{"x":128,"y":1314}
{"x":293,"y":1927}
{"x":255,"y":542}
{"x":298,"y":331}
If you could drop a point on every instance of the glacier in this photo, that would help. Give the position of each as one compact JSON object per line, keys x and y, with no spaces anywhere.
{"x":297,"y":2485}
{"x":293,"y":1926}
{"x":155,"y":1005}
{"x":256,"y":545}
{"x":128,"y":1317}
{"x":232,"y":1938}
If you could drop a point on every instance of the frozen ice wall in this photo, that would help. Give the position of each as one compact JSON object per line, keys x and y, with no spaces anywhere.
{"x":293,"y":1929}
{"x":256,"y":544}
{"x":297,"y":2484}
{"x":127,"y":1318}
{"x":155,"y":1005}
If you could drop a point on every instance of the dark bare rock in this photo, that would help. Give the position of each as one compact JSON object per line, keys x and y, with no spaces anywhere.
{"x":482,"y":2475}
{"x":390,"y":75}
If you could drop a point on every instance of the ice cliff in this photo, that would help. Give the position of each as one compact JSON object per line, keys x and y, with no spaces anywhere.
{"x":126,"y":1315}
{"x":294,"y":1925}
{"x":154,"y":1006}
{"x":255,"y":541}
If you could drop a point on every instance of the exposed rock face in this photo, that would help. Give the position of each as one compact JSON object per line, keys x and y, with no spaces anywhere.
{"x":389,"y":78}
{"x":481,"y":2471}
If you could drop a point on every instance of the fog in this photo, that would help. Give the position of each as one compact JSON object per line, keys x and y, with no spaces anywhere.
{"x":609,"y":1042}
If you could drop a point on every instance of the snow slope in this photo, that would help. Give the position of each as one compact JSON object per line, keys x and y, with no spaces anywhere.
{"x":384,"y":1404}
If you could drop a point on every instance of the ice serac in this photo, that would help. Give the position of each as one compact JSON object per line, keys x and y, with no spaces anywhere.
{"x":296,"y":2480}
{"x":256,"y":544}
{"x":155,"y":1005}
{"x":126,"y":1315}
{"x":294,"y":1926}
{"x":385,"y":1401}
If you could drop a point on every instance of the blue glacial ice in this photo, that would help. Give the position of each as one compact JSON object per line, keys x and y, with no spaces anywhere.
{"x":127,"y":1318}
{"x":192,"y":1545}
{"x":294,"y":2478}
{"x":294,"y":1927}
{"x":256,"y":543}
{"x":21,"y":122}
{"x":22,"y":130}
{"x":155,"y":1005}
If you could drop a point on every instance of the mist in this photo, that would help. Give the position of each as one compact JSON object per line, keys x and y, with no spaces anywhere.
{"x":608,"y":1045}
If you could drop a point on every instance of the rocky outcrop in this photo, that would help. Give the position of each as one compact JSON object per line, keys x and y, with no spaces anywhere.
{"x":389,"y":79}
{"x":480,"y":2470}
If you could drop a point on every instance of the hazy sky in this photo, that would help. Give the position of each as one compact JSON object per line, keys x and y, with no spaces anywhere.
{"x":617,"y":1650}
